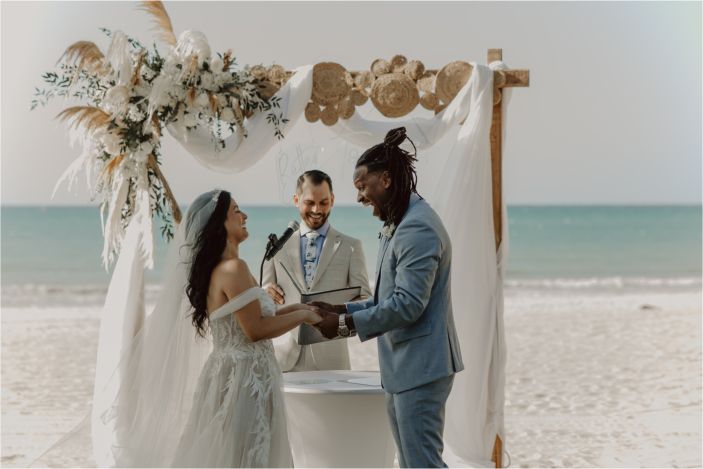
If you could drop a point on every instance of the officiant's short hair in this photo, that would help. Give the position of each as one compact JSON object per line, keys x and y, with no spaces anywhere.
{"x":316,"y":177}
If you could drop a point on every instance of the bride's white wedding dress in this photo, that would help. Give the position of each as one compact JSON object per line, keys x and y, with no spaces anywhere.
{"x":238,"y":415}
{"x":163,"y":396}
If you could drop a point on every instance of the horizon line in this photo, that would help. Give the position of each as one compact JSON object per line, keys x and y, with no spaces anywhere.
{"x":539,"y":204}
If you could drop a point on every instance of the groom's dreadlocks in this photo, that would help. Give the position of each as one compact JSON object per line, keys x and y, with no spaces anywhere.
{"x":400,"y":164}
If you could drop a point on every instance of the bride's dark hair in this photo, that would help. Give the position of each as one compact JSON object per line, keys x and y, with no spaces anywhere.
{"x":207,"y":253}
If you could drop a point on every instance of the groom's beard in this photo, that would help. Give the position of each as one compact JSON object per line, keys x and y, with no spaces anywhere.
{"x":383,"y":214}
{"x":315,"y":223}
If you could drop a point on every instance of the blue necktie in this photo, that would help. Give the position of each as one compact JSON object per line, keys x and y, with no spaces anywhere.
{"x":310,"y":257}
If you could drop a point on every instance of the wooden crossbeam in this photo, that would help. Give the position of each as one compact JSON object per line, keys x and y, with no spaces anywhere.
{"x":511,"y":78}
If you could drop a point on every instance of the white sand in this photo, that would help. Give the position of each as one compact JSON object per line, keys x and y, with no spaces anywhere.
{"x":592,"y":379}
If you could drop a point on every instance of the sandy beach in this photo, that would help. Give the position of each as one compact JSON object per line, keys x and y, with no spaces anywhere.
{"x":593,"y":379}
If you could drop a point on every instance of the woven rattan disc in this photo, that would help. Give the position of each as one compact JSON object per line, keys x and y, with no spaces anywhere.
{"x":414,"y":69}
{"x":363,"y":79}
{"x":429,"y":101}
{"x":394,"y":94}
{"x":258,"y":71}
{"x":345,"y":108}
{"x":359,"y":98}
{"x":329,"y":115}
{"x":330,"y":83}
{"x":380,"y":67}
{"x":451,"y":79}
{"x":497,"y":96}
{"x":312,"y":112}
{"x":398,"y":63}
{"x":277,"y":74}
{"x":426,"y":82}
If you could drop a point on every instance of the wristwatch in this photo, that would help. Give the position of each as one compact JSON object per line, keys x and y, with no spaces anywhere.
{"x":343,"y":330}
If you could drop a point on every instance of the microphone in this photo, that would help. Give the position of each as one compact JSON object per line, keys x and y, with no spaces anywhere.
{"x":275,"y":244}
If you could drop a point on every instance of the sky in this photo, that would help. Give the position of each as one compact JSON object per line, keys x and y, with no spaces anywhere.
{"x":612,"y":114}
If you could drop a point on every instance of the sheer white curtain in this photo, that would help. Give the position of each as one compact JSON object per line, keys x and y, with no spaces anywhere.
{"x":464,"y":201}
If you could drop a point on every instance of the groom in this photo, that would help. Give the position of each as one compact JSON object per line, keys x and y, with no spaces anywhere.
{"x":411,"y":310}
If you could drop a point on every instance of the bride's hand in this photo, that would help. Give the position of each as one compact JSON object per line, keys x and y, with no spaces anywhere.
{"x":311,"y":316}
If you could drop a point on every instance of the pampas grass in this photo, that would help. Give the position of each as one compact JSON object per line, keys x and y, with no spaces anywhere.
{"x":164,"y":27}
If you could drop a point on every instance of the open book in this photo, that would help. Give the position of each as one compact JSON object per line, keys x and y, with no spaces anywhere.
{"x":307,"y":334}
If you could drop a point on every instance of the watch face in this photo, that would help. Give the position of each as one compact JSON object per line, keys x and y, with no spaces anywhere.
{"x":344,"y":332}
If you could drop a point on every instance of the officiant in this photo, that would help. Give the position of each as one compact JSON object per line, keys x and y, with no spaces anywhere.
{"x":316,"y":258}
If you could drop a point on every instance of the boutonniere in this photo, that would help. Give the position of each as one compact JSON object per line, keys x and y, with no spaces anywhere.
{"x":387,"y":231}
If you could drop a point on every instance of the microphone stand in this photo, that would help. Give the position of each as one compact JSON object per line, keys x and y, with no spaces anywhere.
{"x":273,"y":239}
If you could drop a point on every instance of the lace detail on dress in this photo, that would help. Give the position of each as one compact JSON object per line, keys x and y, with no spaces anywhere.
{"x":250,"y":370}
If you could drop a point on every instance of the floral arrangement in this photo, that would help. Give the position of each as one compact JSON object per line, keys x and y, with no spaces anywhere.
{"x":131,"y":94}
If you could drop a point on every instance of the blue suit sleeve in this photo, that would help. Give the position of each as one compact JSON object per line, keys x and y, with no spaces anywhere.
{"x":359,"y":305}
{"x":417,"y":248}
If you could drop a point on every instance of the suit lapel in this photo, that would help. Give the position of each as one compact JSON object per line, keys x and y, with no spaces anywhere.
{"x":381,"y":255}
{"x":414,"y":199}
{"x":329,"y":248}
{"x":291,"y":260}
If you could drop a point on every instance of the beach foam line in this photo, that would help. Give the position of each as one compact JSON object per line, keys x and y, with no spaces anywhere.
{"x":44,"y":295}
{"x":21,"y":295}
{"x":606,"y":283}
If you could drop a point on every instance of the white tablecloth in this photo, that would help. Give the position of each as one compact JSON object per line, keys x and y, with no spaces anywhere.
{"x":338,"y":419}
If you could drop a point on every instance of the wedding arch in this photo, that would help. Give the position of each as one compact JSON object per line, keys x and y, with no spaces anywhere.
{"x":228,"y":117}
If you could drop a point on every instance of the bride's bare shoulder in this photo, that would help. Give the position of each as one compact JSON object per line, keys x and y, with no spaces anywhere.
{"x":232,"y":266}
{"x":232,"y":276}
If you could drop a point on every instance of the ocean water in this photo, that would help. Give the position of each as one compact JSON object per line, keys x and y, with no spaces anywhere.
{"x":52,"y":254}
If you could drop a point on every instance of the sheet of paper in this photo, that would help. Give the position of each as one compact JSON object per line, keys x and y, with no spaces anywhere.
{"x":373,"y":381}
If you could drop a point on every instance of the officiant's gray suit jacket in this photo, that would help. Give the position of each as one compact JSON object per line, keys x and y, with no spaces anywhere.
{"x":342,"y":264}
{"x":411,"y":311}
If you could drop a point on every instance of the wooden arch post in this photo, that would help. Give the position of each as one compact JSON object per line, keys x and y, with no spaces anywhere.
{"x":501,"y":79}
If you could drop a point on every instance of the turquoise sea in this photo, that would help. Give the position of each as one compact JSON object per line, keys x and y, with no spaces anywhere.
{"x":52,"y":254}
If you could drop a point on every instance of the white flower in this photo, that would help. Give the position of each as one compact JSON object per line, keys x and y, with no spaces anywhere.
{"x":207,"y":81}
{"x":112,"y":142}
{"x":227,"y":115}
{"x":387,"y":231}
{"x":160,"y":95}
{"x":192,"y":42}
{"x":146,"y":147}
{"x":140,"y":156}
{"x":216,"y":65}
{"x":221,"y":77}
{"x":202,"y":101}
{"x":115,"y":100}
{"x":143,"y":90}
{"x":135,"y":114}
{"x":189,"y":120}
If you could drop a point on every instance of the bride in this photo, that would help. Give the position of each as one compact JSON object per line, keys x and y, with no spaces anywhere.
{"x":177,"y":402}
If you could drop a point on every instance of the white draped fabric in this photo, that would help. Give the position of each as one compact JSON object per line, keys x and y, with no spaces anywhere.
{"x":474,"y":414}
{"x":239,"y":152}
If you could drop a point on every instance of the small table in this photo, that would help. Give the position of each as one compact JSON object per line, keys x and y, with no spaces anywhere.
{"x":336,"y":421}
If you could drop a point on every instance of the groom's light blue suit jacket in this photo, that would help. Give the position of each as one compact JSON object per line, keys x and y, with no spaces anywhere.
{"x":411,"y":310}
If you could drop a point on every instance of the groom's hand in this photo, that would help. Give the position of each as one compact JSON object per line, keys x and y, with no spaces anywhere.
{"x":329,"y":324}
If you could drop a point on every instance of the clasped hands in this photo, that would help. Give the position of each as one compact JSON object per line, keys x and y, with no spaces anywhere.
{"x":330,"y":318}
